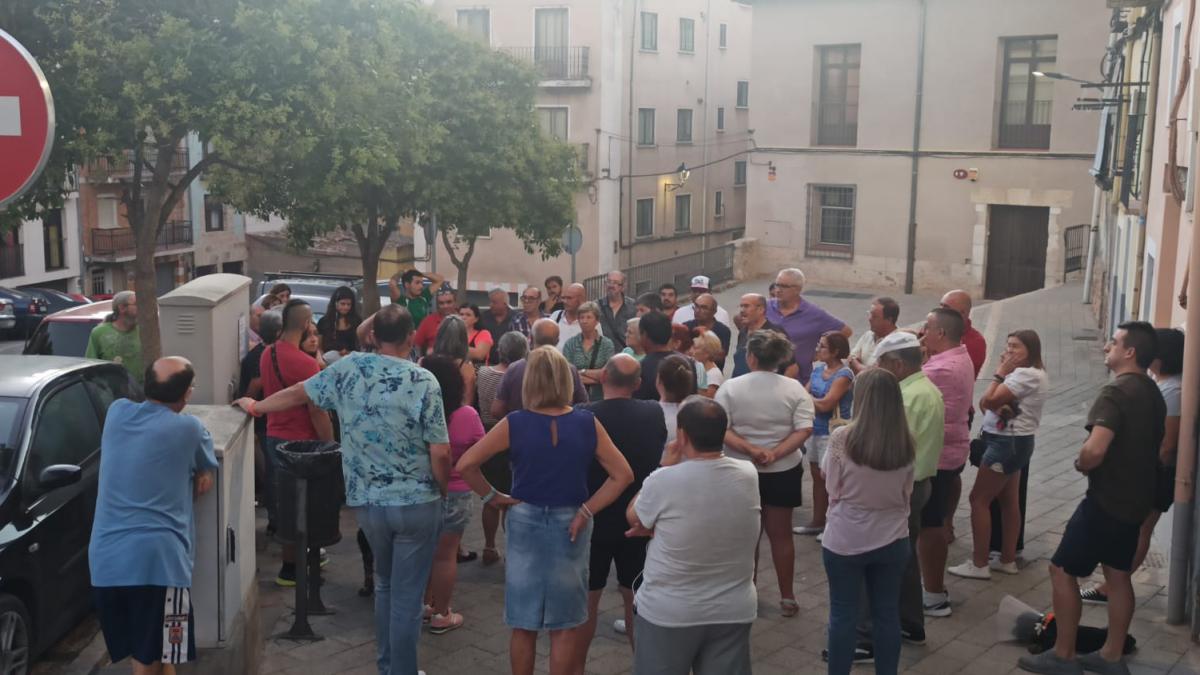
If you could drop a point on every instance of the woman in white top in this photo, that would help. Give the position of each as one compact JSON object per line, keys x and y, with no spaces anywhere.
{"x":706,"y":350}
{"x":676,"y":381}
{"x":1012,"y":408}
{"x":770,"y":417}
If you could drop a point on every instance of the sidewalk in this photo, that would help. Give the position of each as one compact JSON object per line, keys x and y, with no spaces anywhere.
{"x":963,"y":642}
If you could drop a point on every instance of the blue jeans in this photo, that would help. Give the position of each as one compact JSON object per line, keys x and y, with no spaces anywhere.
{"x":403,"y":539}
{"x":882,"y":569}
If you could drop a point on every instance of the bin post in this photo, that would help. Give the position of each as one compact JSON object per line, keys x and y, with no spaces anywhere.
{"x":300,"y":629}
{"x":316,"y":607}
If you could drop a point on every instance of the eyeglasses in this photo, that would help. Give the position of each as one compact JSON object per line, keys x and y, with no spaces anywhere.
{"x":530,"y":297}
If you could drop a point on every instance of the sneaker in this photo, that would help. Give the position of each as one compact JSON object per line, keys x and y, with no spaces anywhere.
{"x":286,"y":577}
{"x":863,"y":653}
{"x":937,"y":604}
{"x":915,"y":636}
{"x":1048,"y":663}
{"x":324,"y":557}
{"x":808,"y":531}
{"x":619,"y":626}
{"x":444,"y":623}
{"x":1005,"y":567}
{"x":1094,"y":663}
{"x":426,"y":613}
{"x":968,"y":570}
{"x":1094,"y":596}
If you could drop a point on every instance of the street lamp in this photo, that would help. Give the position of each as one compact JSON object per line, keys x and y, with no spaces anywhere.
{"x":1086,"y":83}
{"x":683,"y":173}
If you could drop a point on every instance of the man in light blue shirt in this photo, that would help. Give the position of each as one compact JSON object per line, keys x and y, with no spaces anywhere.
{"x":153,"y":462}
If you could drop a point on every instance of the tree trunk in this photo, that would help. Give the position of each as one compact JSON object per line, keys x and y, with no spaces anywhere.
{"x":461,"y":264}
{"x":371,"y":241}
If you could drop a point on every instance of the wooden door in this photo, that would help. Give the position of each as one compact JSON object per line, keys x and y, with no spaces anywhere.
{"x":1016,"y":250}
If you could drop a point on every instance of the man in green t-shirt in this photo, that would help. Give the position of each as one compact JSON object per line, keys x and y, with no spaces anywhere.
{"x":409,"y":290}
{"x":117,"y":338}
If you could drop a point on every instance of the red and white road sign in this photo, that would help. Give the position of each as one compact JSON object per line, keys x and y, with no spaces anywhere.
{"x":26,"y":119}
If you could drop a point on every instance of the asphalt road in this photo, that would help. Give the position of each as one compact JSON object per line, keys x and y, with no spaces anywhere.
{"x":11,"y":346}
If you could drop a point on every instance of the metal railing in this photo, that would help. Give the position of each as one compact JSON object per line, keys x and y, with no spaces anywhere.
{"x":715,"y":263}
{"x":1075,"y":243}
{"x":12,"y":260}
{"x":121,"y":241}
{"x":121,"y":168}
{"x":554,"y":63}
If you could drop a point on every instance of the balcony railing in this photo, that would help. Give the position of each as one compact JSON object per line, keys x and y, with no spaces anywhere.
{"x":120,"y":242}
{"x":121,"y":169}
{"x":12,"y":261}
{"x":556,"y":66}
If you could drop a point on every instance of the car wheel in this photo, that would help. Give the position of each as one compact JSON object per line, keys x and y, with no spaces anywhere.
{"x":16,"y":636}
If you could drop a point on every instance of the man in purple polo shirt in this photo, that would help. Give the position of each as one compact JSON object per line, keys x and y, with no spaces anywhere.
{"x":803,"y":321}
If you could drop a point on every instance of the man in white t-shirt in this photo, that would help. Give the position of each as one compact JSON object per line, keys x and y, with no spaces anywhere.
{"x":881,"y":322}
{"x":567,"y":318}
{"x":700,"y":286}
{"x":697,"y":599}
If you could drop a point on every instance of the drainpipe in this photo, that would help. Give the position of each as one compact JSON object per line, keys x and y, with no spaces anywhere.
{"x":910,"y":263}
{"x":635,"y":22}
{"x":1155,"y":37}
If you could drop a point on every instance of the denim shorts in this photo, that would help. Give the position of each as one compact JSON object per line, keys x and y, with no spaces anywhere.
{"x":545,"y":573}
{"x":457,"y":511}
{"x":1006,"y":454}
{"x":814,"y":450}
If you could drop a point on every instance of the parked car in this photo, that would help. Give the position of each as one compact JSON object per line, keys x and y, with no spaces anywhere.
{"x":29,"y":310}
{"x":48,"y":484}
{"x":315,"y":289}
{"x":66,"y":333}
{"x":56,"y":301}
{"x":8,"y":319}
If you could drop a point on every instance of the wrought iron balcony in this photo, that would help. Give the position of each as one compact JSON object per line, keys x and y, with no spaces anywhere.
{"x":106,"y":170}
{"x":556,"y":66}
{"x":120,"y":242}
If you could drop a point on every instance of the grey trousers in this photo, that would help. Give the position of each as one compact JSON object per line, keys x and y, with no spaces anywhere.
{"x":713,"y":649}
{"x":912,"y":602}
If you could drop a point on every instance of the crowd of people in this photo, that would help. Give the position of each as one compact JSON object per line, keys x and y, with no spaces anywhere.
{"x":613,"y":433}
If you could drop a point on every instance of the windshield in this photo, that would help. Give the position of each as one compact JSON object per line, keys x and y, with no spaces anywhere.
{"x":60,"y":338}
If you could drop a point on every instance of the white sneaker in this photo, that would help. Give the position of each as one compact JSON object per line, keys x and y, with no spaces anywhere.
{"x":968,"y":570}
{"x":619,"y":626}
{"x":1007,"y":568}
{"x":937,"y":604}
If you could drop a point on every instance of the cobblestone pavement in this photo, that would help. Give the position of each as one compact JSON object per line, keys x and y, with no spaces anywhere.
{"x":964,"y":641}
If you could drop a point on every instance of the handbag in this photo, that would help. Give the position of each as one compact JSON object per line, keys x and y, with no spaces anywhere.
{"x":978,"y":447}
{"x":837,"y":420}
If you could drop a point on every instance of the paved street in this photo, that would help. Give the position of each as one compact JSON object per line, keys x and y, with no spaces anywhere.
{"x":11,"y":346}
{"x":964,"y":641}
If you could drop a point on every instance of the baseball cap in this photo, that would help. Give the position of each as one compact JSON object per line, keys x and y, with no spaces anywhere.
{"x":896,"y":341}
{"x":700,"y":281}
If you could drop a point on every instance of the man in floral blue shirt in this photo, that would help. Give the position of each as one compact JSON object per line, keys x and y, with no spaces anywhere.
{"x":396,"y":460}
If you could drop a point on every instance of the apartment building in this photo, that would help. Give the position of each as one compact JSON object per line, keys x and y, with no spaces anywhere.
{"x":44,"y":252}
{"x":641,"y":88}
{"x":911,"y":144}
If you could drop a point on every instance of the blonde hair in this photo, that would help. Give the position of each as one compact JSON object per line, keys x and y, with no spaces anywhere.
{"x":588,"y":307}
{"x":548,"y":382}
{"x":882,"y":441}
{"x":710,"y":343}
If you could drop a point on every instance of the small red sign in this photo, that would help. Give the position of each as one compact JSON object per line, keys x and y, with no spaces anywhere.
{"x":26,"y":119}
{"x":960,"y":173}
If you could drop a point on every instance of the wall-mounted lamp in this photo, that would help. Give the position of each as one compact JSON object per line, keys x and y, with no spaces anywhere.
{"x":683,"y":174}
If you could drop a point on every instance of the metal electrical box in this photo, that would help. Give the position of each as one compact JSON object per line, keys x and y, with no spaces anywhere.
{"x":205,"y":320}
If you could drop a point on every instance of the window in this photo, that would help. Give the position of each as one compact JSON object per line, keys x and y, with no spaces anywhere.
{"x":214,"y":214}
{"x":1025,"y":100}
{"x":554,"y":121}
{"x":743,"y":94}
{"x":53,"y":240}
{"x":551,"y":35}
{"x":108,"y":385}
{"x":719,"y":204}
{"x":683,"y":213}
{"x":58,"y":443}
{"x":830,"y":221}
{"x":99,"y":284}
{"x":650,"y":31}
{"x":645,"y":217}
{"x":687,"y":35}
{"x":645,"y":126}
{"x":683,"y":125}
{"x":837,"y":97}
{"x":720,"y":118}
{"x":1176,"y":46}
{"x":723,"y":39}
{"x":477,"y":23}
{"x":739,"y":172}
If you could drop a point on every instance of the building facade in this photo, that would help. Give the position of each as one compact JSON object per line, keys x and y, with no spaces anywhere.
{"x":46,"y":252}
{"x":911,"y":143}
{"x":639,"y":88}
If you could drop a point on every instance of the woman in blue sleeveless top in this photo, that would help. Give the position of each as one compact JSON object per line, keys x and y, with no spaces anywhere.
{"x":549,"y":511}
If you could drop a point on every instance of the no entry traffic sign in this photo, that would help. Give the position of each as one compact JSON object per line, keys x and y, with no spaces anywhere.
{"x":26,"y":119}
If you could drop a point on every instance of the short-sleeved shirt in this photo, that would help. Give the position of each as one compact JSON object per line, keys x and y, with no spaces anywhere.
{"x":638,"y":429}
{"x":1133,"y":408}
{"x":1030,"y":386}
{"x":480,"y":337}
{"x":1171,"y":388}
{"x":926,"y":413}
{"x":818,"y":386}
{"x":509,"y":391}
{"x":700,"y":562}
{"x":613,"y":325}
{"x":568,"y":329}
{"x":419,"y":306}
{"x":390,"y":411}
{"x":687,"y":313}
{"x":804,"y":328}
{"x":976,"y":346}
{"x":487,"y":381}
{"x":864,"y":348}
{"x":602,"y":349}
{"x":648,"y":390}
{"x":868,"y":508}
{"x":109,"y":344}
{"x":765,"y":408}
{"x":953,"y":374}
{"x":144,"y":532}
{"x":521,"y":324}
{"x":465,"y":429}
{"x":293,"y":424}
{"x":496,"y":328}
{"x":740,"y":367}
{"x":427,"y":331}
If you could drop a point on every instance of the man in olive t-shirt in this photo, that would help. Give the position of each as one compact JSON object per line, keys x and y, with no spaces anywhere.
{"x":117,"y":339}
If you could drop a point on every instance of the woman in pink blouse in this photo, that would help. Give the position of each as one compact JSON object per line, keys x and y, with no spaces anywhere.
{"x":869,"y":475}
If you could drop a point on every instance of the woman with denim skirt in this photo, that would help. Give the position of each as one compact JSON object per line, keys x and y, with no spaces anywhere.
{"x":868,"y":470}
{"x":549,"y":511}
{"x":1012,"y":408}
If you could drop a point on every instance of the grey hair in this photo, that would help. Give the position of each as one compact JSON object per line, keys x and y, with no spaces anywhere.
{"x":795,"y":273}
{"x":512,"y":347}
{"x":270,"y":325}
{"x":499,"y":290}
{"x":770,"y":348}
{"x":120,"y":300}
{"x":589,"y":307}
{"x":451,"y":338}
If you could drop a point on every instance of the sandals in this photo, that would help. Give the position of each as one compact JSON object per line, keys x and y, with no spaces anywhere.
{"x":467,"y":557}
{"x":789,"y":607}
{"x":490,"y":556}
{"x":439,"y":623}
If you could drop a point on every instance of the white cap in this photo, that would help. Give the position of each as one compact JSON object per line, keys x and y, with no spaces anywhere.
{"x":896,"y":341}
{"x":700,"y":281}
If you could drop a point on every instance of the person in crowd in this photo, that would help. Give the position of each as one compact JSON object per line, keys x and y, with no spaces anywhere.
{"x":697,"y":599}
{"x":310,"y":344}
{"x":770,"y":418}
{"x":513,"y":348}
{"x":479,"y":339}
{"x":453,"y":341}
{"x":707,"y":352}
{"x":339,"y":327}
{"x":1167,"y":371}
{"x":675,"y":382}
{"x":633,"y":342}
{"x":639,"y":431}
{"x":117,"y":339}
{"x":427,"y":330}
{"x":1120,"y":459}
{"x":154,"y":460}
{"x":669,"y":297}
{"x":682,"y":343}
{"x":531,"y":310}
{"x":832,"y":390}
{"x":282,"y":291}
{"x":508,"y":395}
{"x":550,"y":511}
{"x":253,"y":338}
{"x":700,"y":286}
{"x":802,"y":321}
{"x":949,"y":368}
{"x":752,"y":316}
{"x":590,"y":349}
{"x":567,"y":318}
{"x":705,"y":310}
{"x":465,"y":429}
{"x":393,"y":424}
{"x":409,"y":290}
{"x":654,"y":334}
{"x":868,"y":471}
{"x":1012,"y":406}
{"x":497,"y":318}
{"x":250,"y":384}
{"x":772,"y":290}
{"x":616,"y":308}
{"x":881,"y":322}
{"x":973,"y":340}
{"x":646,"y":303}
{"x":553,"y":301}
{"x":270,"y":301}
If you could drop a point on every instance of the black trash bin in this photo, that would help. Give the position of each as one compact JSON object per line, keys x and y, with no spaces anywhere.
{"x":320,"y":462}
